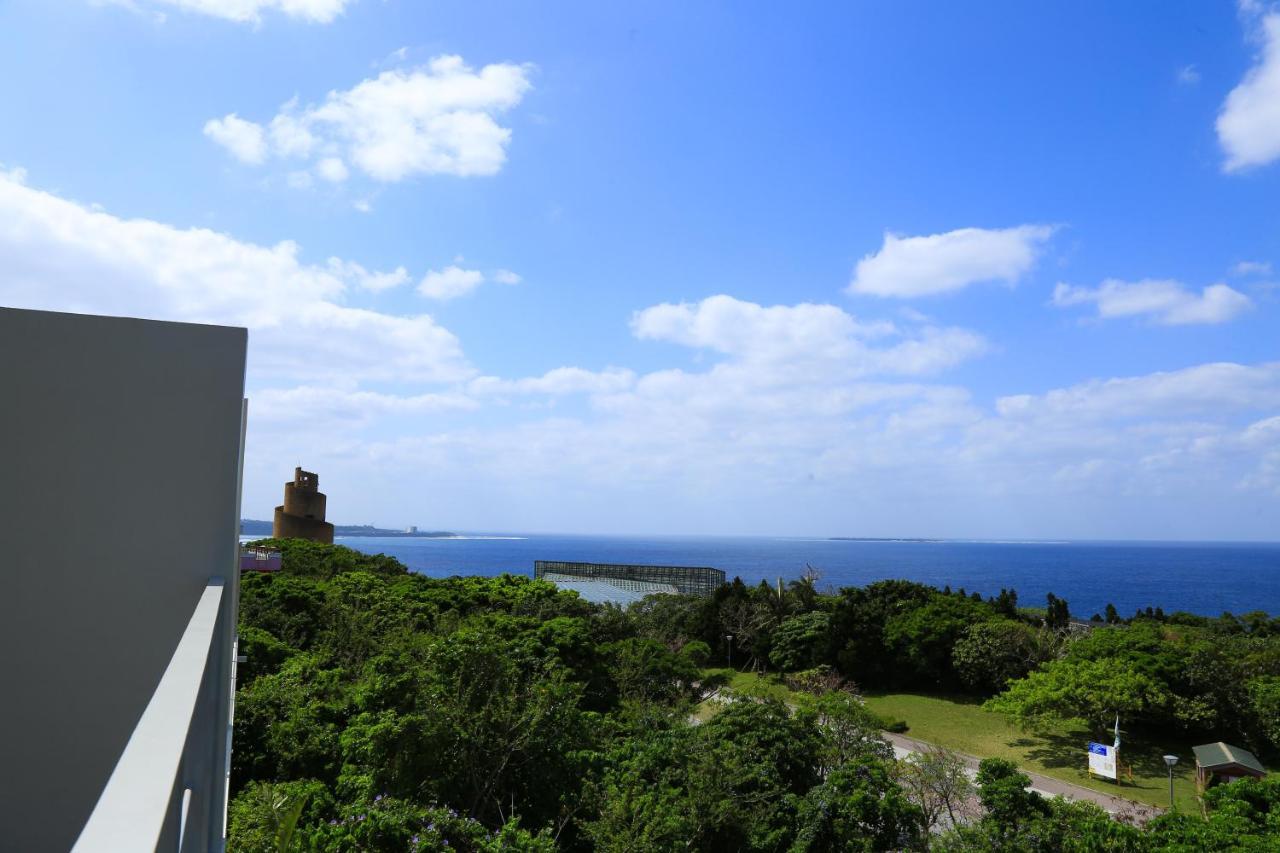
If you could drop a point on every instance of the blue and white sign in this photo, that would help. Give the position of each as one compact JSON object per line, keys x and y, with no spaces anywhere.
{"x":1102,"y":760}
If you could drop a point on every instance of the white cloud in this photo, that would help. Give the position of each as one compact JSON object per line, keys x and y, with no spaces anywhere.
{"x":907,"y":267}
{"x":345,"y":408}
{"x":1203,"y":390}
{"x":1188,"y":75}
{"x":1251,"y":268}
{"x":506,"y":277}
{"x":249,"y":11}
{"x":1249,"y":122}
{"x":332,"y":169}
{"x":450,"y":283}
{"x":63,"y":256}
{"x":244,"y":139}
{"x":440,"y":118}
{"x":560,"y":381}
{"x":804,"y":335}
{"x":289,"y":136}
{"x":1164,"y":301}
{"x":789,"y":429}
{"x":787,"y":418}
{"x":374,"y":281}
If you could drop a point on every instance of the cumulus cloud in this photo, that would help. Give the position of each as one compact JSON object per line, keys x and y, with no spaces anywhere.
{"x":60,"y":255}
{"x":1188,"y":75}
{"x":440,"y":118}
{"x":1163,"y":301}
{"x":804,"y":333}
{"x":800,"y":422}
{"x":728,"y":448}
{"x":346,"y":408}
{"x":332,"y":169}
{"x":784,"y":418}
{"x":249,"y":11}
{"x":363,"y":278}
{"x":557,"y":382}
{"x":245,"y":140}
{"x":450,"y":283}
{"x":454,"y":281}
{"x":1197,"y":391}
{"x":1249,"y":121}
{"x":907,"y":267}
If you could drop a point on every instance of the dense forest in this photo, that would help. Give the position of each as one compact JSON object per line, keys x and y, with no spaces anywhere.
{"x":383,"y":710}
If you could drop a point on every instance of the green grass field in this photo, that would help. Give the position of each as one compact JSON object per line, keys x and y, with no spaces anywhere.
{"x":959,"y":723}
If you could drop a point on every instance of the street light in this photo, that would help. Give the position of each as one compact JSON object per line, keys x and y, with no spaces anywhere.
{"x":729,"y":637}
{"x":1171,"y":760}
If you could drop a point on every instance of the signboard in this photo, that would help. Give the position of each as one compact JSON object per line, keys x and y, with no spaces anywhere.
{"x":1102,"y":760}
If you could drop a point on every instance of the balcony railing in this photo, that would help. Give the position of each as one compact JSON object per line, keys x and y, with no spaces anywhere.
{"x":166,"y":792}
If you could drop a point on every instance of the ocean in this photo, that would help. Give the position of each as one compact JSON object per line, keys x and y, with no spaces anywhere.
{"x":1200,"y":577}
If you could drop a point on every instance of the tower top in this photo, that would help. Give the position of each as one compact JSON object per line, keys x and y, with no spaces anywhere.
{"x":305,"y":480}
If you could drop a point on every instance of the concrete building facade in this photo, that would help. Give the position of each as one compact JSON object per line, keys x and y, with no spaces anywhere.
{"x":118,"y":607}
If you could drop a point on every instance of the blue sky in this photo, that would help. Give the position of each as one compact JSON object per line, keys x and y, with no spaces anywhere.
{"x":929,"y":269}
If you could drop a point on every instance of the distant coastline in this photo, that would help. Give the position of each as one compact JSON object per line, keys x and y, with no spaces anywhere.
{"x":256,"y":527}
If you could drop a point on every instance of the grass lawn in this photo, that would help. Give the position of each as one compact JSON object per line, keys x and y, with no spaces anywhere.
{"x":742,"y":683}
{"x":959,"y":723}
{"x":749,"y":683}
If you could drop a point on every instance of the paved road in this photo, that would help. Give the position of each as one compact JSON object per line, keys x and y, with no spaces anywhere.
{"x":1044,"y":785}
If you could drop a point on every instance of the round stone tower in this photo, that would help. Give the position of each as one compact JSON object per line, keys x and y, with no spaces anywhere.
{"x":302,"y":515}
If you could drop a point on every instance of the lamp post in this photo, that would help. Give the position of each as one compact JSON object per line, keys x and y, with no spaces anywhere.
{"x":729,"y":637}
{"x":1171,"y":760}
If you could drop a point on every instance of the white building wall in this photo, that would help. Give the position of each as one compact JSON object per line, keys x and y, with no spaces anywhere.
{"x":120,"y":455}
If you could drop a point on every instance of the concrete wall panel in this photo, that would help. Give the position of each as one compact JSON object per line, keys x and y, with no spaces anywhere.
{"x":119,"y":483}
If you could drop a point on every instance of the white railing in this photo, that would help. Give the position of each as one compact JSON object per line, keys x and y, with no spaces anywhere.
{"x":165,"y":788}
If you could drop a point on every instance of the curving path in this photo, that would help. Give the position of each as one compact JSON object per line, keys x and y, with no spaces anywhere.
{"x":1046,"y":786}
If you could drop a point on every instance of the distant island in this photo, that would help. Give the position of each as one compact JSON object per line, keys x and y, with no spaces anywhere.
{"x":256,"y":527}
{"x":879,"y":539}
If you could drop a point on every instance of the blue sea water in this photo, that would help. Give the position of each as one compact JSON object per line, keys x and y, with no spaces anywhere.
{"x":1204,"y":578}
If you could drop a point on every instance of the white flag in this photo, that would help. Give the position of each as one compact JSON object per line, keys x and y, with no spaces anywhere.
{"x":1117,"y":745}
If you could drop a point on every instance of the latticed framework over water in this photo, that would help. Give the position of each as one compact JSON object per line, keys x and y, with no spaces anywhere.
{"x":698,"y":580}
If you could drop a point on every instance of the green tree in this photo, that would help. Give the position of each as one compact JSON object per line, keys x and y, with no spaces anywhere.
{"x":1093,"y":691}
{"x":1264,"y":705}
{"x":858,"y":807}
{"x":991,"y":654}
{"x":801,"y":641}
{"x":921,"y":640}
{"x":1002,"y":790}
{"x":849,"y":731}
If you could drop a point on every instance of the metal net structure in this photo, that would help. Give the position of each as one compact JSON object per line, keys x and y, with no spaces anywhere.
{"x":698,"y":580}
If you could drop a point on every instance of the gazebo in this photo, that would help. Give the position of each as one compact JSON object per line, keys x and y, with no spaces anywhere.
{"x":1225,"y":763}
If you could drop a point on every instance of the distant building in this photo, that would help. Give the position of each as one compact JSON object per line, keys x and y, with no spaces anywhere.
{"x":302,"y":514}
{"x":622,"y":584}
{"x":1222,"y":762}
{"x":259,"y":560}
{"x":412,"y":528}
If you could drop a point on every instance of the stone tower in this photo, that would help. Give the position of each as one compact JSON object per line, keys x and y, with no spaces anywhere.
{"x":302,"y":516}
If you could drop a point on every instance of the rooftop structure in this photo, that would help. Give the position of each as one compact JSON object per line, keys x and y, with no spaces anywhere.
{"x":1223,"y":762}
{"x":301,"y":516}
{"x":645,"y":580}
{"x":120,"y":499}
{"x":259,"y":560}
